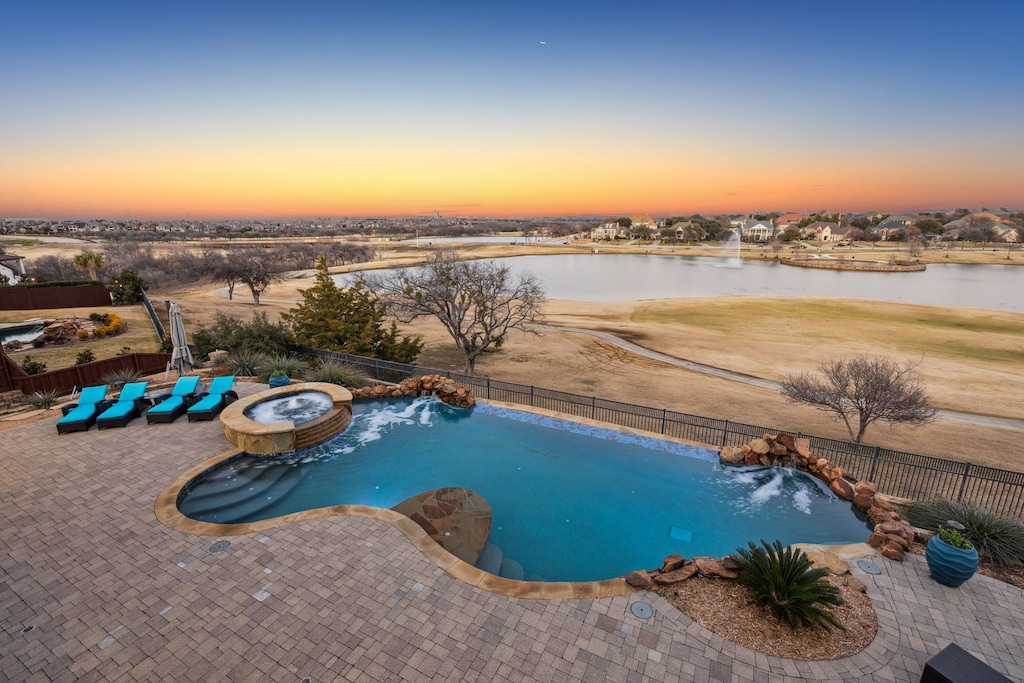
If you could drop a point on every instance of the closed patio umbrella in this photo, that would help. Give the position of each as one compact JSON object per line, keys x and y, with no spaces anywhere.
{"x":181,"y":357}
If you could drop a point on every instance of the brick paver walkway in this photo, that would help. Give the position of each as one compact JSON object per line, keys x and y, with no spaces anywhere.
{"x":92,"y":587}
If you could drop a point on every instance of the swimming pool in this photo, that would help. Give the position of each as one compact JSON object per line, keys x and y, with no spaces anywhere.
{"x":571,"y":502}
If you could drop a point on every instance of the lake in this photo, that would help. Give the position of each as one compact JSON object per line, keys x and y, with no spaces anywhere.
{"x":636,"y":277}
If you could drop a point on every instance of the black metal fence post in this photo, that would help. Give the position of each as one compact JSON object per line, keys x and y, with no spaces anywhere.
{"x":874,"y":463}
{"x":725,"y":433}
{"x":963,"y":482}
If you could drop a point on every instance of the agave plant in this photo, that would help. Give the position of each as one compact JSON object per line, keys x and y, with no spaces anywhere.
{"x":246,"y":363}
{"x":43,"y":399}
{"x":118,"y":378}
{"x":785,"y":581}
{"x":281,"y":365}
{"x":336,"y":372}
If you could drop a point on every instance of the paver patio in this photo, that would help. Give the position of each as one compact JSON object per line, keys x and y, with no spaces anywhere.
{"x":93,"y":588}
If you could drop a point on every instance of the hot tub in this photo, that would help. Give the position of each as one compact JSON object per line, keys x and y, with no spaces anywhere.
{"x":286,"y":418}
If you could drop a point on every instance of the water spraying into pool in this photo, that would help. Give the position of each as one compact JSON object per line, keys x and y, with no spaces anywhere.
{"x":570,"y":502}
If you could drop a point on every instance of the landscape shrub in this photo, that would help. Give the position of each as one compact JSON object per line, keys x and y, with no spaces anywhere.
{"x":118,"y":378}
{"x":285,"y":365}
{"x":110,"y":324}
{"x":43,"y":399}
{"x":82,"y":335}
{"x":335,"y":372}
{"x":784,"y":580}
{"x":32,"y":367}
{"x":247,"y":362}
{"x":85,"y":356}
{"x":227,"y":333}
{"x":999,"y":540}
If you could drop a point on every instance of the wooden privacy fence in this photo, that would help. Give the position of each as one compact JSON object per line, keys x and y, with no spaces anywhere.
{"x":63,"y":381}
{"x":21,"y":298}
{"x":896,"y":473}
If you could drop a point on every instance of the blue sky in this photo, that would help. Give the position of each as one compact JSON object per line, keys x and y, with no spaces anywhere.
{"x":138,"y":96}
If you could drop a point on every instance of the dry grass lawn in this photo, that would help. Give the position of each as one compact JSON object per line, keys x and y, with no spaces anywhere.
{"x":138,"y":335}
{"x":972,"y":360}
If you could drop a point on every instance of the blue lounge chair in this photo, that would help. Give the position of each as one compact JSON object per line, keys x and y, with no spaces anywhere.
{"x":169,"y":407}
{"x":78,"y":417}
{"x":129,"y":406}
{"x":214,"y":400}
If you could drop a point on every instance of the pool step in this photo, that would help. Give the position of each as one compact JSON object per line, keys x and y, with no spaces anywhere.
{"x":231,"y":487}
{"x":490,"y":559}
{"x":239,"y":503}
{"x":510,"y":569}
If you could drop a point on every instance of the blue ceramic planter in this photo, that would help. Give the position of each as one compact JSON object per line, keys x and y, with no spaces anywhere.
{"x":950,"y":566}
{"x":282,"y":381}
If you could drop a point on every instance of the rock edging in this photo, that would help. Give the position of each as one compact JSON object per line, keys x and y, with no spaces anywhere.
{"x":438,"y":385}
{"x":892,"y":535}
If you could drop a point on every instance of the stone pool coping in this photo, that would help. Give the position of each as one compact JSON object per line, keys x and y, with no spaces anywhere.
{"x":167,"y":513}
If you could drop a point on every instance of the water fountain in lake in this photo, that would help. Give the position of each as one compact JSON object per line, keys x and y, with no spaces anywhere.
{"x":731,"y":251}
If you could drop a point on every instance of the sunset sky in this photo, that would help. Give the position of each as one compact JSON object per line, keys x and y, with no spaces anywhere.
{"x":302,"y":109}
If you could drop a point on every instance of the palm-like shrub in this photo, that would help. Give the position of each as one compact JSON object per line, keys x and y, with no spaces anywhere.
{"x":43,"y":399}
{"x":247,"y":363}
{"x":784,"y":580}
{"x":118,"y":378}
{"x":335,"y":372}
{"x":999,"y":540}
{"x":285,"y":365}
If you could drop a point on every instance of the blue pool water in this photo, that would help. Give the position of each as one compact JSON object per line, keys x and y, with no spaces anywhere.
{"x":571,"y":502}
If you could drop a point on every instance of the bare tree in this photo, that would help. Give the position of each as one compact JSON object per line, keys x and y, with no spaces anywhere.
{"x":477,"y":302}
{"x":863,"y":390}
{"x":254,"y":274}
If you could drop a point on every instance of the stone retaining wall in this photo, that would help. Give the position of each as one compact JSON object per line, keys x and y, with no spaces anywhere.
{"x":438,"y":385}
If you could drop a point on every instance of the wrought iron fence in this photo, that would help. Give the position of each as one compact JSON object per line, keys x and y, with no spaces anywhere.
{"x":896,"y":473}
{"x":158,"y":326}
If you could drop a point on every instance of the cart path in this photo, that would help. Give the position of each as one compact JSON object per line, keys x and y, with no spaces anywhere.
{"x":969,"y":418}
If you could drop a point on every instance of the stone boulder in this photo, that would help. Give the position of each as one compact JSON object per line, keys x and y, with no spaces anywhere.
{"x":682,"y":574}
{"x":842,"y":488}
{"x":639,"y":579}
{"x":731,"y":455}
{"x":866,"y":487}
{"x":712,"y":568}
{"x":878,"y":515}
{"x":863,"y":501}
{"x":892,"y":551}
{"x":672,"y":563}
{"x":787,"y":442}
{"x":760,"y":446}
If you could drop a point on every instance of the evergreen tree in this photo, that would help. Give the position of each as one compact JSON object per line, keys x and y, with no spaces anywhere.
{"x":350,"y":320}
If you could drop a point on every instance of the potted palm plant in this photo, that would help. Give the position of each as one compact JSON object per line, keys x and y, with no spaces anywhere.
{"x":951,"y":557}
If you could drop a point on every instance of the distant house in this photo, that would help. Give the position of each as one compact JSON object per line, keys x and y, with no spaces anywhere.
{"x":903,"y":219}
{"x":644,"y":221}
{"x":756,"y":231}
{"x":12,"y":268}
{"x":608,"y":230}
{"x":787,"y":220}
{"x":1007,"y":233}
{"x":889,"y":230}
{"x":820,"y":230}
